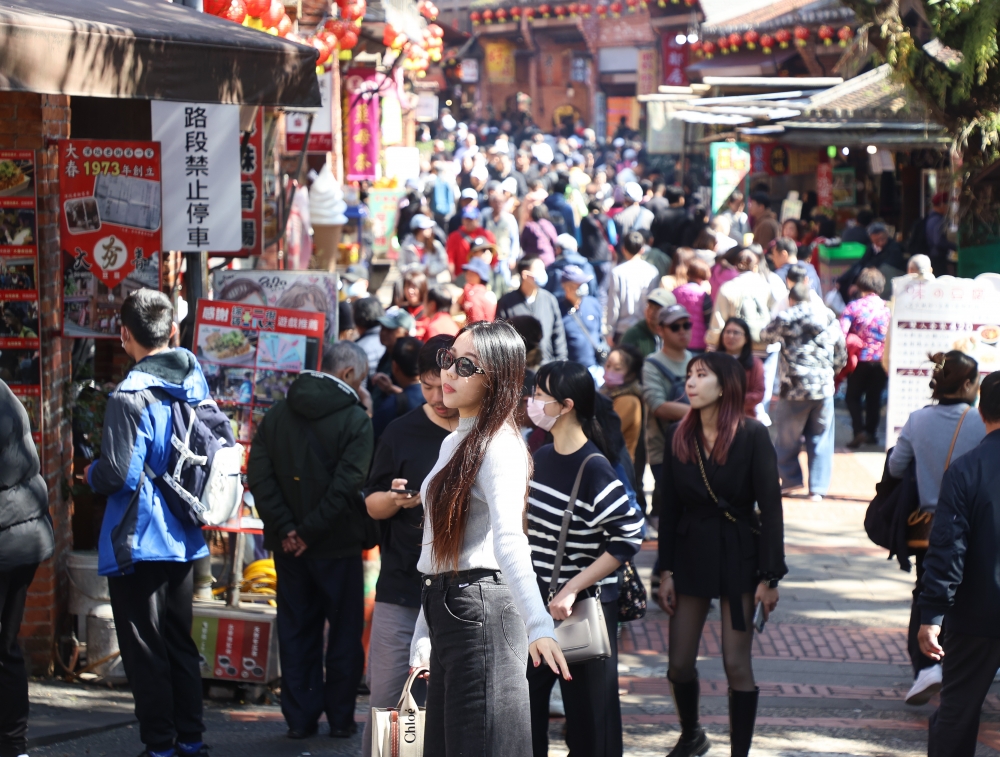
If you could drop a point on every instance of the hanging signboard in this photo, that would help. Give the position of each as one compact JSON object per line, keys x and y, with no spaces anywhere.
{"x":109,"y":224}
{"x":251,"y":191}
{"x":20,"y":356}
{"x":200,"y":144}
{"x":321,"y":132}
{"x":363,"y":136}
{"x":251,"y":354}
{"x":499,"y":61}
{"x":675,"y":61}
{"x":824,"y":185}
{"x":730,"y":170}
{"x":647,"y":77}
{"x":312,"y":291}
{"x":944,"y":314}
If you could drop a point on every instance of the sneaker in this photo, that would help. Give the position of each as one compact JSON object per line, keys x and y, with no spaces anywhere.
{"x":928,"y":684}
{"x":815,"y":497}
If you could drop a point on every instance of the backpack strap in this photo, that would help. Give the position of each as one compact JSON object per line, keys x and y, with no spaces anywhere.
{"x":669,"y":375}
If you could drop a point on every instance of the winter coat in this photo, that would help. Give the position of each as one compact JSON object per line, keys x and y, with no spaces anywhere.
{"x":812,"y":350}
{"x":539,"y":238}
{"x":138,"y":525}
{"x":290,"y":475}
{"x":25,"y":525}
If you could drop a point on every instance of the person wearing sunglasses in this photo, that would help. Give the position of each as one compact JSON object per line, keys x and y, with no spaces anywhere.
{"x":478,"y":584}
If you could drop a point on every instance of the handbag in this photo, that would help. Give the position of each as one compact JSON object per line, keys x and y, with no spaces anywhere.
{"x":631,"y":594}
{"x":584,"y":634}
{"x":601,"y":350}
{"x":919,"y":524}
{"x":399,"y":731}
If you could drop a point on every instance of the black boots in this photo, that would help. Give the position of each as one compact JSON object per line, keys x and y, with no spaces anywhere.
{"x":693,"y":742}
{"x":742,"y":715}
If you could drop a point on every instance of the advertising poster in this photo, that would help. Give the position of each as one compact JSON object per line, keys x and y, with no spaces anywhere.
{"x":937,"y":316}
{"x":384,"y":206}
{"x":232,"y":648}
{"x":251,"y":191}
{"x":200,"y":144}
{"x":321,"y":132}
{"x":109,"y":224}
{"x":363,"y":119}
{"x":311,"y":291}
{"x":20,"y":359}
{"x":730,"y":170}
{"x":251,"y":355}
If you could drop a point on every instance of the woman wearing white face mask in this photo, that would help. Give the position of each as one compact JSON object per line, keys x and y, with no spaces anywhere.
{"x":604,"y":531}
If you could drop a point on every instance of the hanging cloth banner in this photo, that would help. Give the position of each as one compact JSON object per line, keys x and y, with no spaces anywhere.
{"x":363,"y":136}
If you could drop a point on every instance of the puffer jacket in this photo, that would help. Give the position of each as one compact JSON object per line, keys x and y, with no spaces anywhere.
{"x":138,"y":525}
{"x":812,"y":350}
{"x":25,"y":525}
{"x":308,"y":463}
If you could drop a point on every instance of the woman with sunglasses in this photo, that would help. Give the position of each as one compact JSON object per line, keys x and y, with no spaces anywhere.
{"x":736,"y":341}
{"x":712,"y":544}
{"x":604,"y":531}
{"x":479,"y":593}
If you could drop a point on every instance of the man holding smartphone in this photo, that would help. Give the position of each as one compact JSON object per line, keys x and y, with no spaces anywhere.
{"x":406,"y":452}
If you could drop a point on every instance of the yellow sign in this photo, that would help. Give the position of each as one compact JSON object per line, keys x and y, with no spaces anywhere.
{"x":500,"y":67}
{"x":646,"y":75}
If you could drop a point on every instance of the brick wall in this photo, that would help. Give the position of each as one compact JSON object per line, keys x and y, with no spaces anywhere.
{"x":28,"y":122}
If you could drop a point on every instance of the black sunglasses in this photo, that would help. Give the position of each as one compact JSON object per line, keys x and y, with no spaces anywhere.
{"x":675,"y":327}
{"x":464,"y":367}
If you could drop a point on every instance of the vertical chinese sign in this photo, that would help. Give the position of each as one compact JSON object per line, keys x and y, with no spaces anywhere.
{"x":109,"y":224}
{"x":251,"y":354}
{"x":675,"y":60}
{"x":201,"y":175}
{"x":251,"y":190}
{"x":646,"y":81}
{"x":363,"y":137}
{"x":730,"y":170}
{"x":500,"y":62}
{"x":20,"y":359}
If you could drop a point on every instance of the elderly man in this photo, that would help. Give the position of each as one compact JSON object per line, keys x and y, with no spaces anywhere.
{"x":567,"y":254}
{"x":884,"y":253}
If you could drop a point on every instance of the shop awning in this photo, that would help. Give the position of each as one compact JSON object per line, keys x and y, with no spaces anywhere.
{"x":149,"y":50}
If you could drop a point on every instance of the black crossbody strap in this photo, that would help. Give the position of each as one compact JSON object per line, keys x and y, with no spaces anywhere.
{"x":567,"y":517}
{"x":576,"y":317}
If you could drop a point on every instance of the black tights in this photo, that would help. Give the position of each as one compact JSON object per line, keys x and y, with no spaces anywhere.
{"x":686,"y":625}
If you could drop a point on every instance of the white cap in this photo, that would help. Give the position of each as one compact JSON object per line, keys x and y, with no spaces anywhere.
{"x":567,"y":242}
{"x":633,"y":191}
{"x":480,"y":172}
{"x":618,"y":142}
{"x":469,"y":194}
{"x":629,"y":154}
{"x":509,"y":185}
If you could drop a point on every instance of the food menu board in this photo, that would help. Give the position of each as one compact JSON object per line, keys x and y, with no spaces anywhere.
{"x":937,"y":316}
{"x":109,"y":224}
{"x":20,"y":359}
{"x":251,"y":355}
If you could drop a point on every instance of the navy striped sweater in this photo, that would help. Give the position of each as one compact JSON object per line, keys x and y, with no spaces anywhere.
{"x":603,"y":520}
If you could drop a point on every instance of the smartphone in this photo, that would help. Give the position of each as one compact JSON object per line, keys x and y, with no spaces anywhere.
{"x":758,"y":618}
{"x":407,"y":492}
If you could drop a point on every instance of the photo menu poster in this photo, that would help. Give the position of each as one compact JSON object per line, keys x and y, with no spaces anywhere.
{"x":251,"y":355}
{"x":109,"y":226}
{"x":937,"y":316}
{"x":20,"y":358}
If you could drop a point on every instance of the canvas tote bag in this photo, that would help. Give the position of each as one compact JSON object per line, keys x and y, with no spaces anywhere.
{"x":399,"y":731}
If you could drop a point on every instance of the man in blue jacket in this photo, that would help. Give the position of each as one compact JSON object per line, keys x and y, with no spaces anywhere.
{"x":144,"y":550}
{"x":962,"y":586}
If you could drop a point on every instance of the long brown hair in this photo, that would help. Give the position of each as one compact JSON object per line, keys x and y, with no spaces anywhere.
{"x":733,"y":383}
{"x":449,"y":494}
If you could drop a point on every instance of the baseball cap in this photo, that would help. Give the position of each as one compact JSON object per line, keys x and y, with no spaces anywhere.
{"x":574,"y":274}
{"x":397,"y":318}
{"x":469,"y":194}
{"x":672,"y":314}
{"x":481,"y":243}
{"x":420,"y":221}
{"x":471,"y":212}
{"x":478,"y":266}
{"x":567,"y":242}
{"x":509,"y":185}
{"x":661,"y":297}
{"x":633,"y":191}
{"x":480,"y":172}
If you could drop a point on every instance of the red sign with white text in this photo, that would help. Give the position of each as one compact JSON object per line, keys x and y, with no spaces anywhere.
{"x":675,"y":61}
{"x":109,"y":205}
{"x":252,"y":191}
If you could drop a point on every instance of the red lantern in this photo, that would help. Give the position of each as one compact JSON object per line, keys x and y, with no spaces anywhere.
{"x":616,"y":8}
{"x":545,"y":9}
{"x":632,"y":5}
{"x":322,"y":49}
{"x":257,"y":8}
{"x":708,"y":48}
{"x":216,"y":7}
{"x":354,"y":11}
{"x":501,"y":15}
{"x":285,"y":26}
{"x":723,"y":45}
{"x":767,"y":43}
{"x":488,"y":16}
{"x":528,"y":13}
{"x":802,"y":35}
{"x":560,"y":11}
{"x":784,"y":37}
{"x":751,"y":38}
{"x":237,"y":11}
{"x":515,"y":13}
{"x":388,"y":34}
{"x":585,"y":10}
{"x":272,"y":15}
{"x":695,"y":47}
{"x":825,"y":33}
{"x":474,"y":18}
{"x":735,"y":40}
{"x":350,"y":40}
{"x":846,"y":34}
{"x":602,"y":10}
